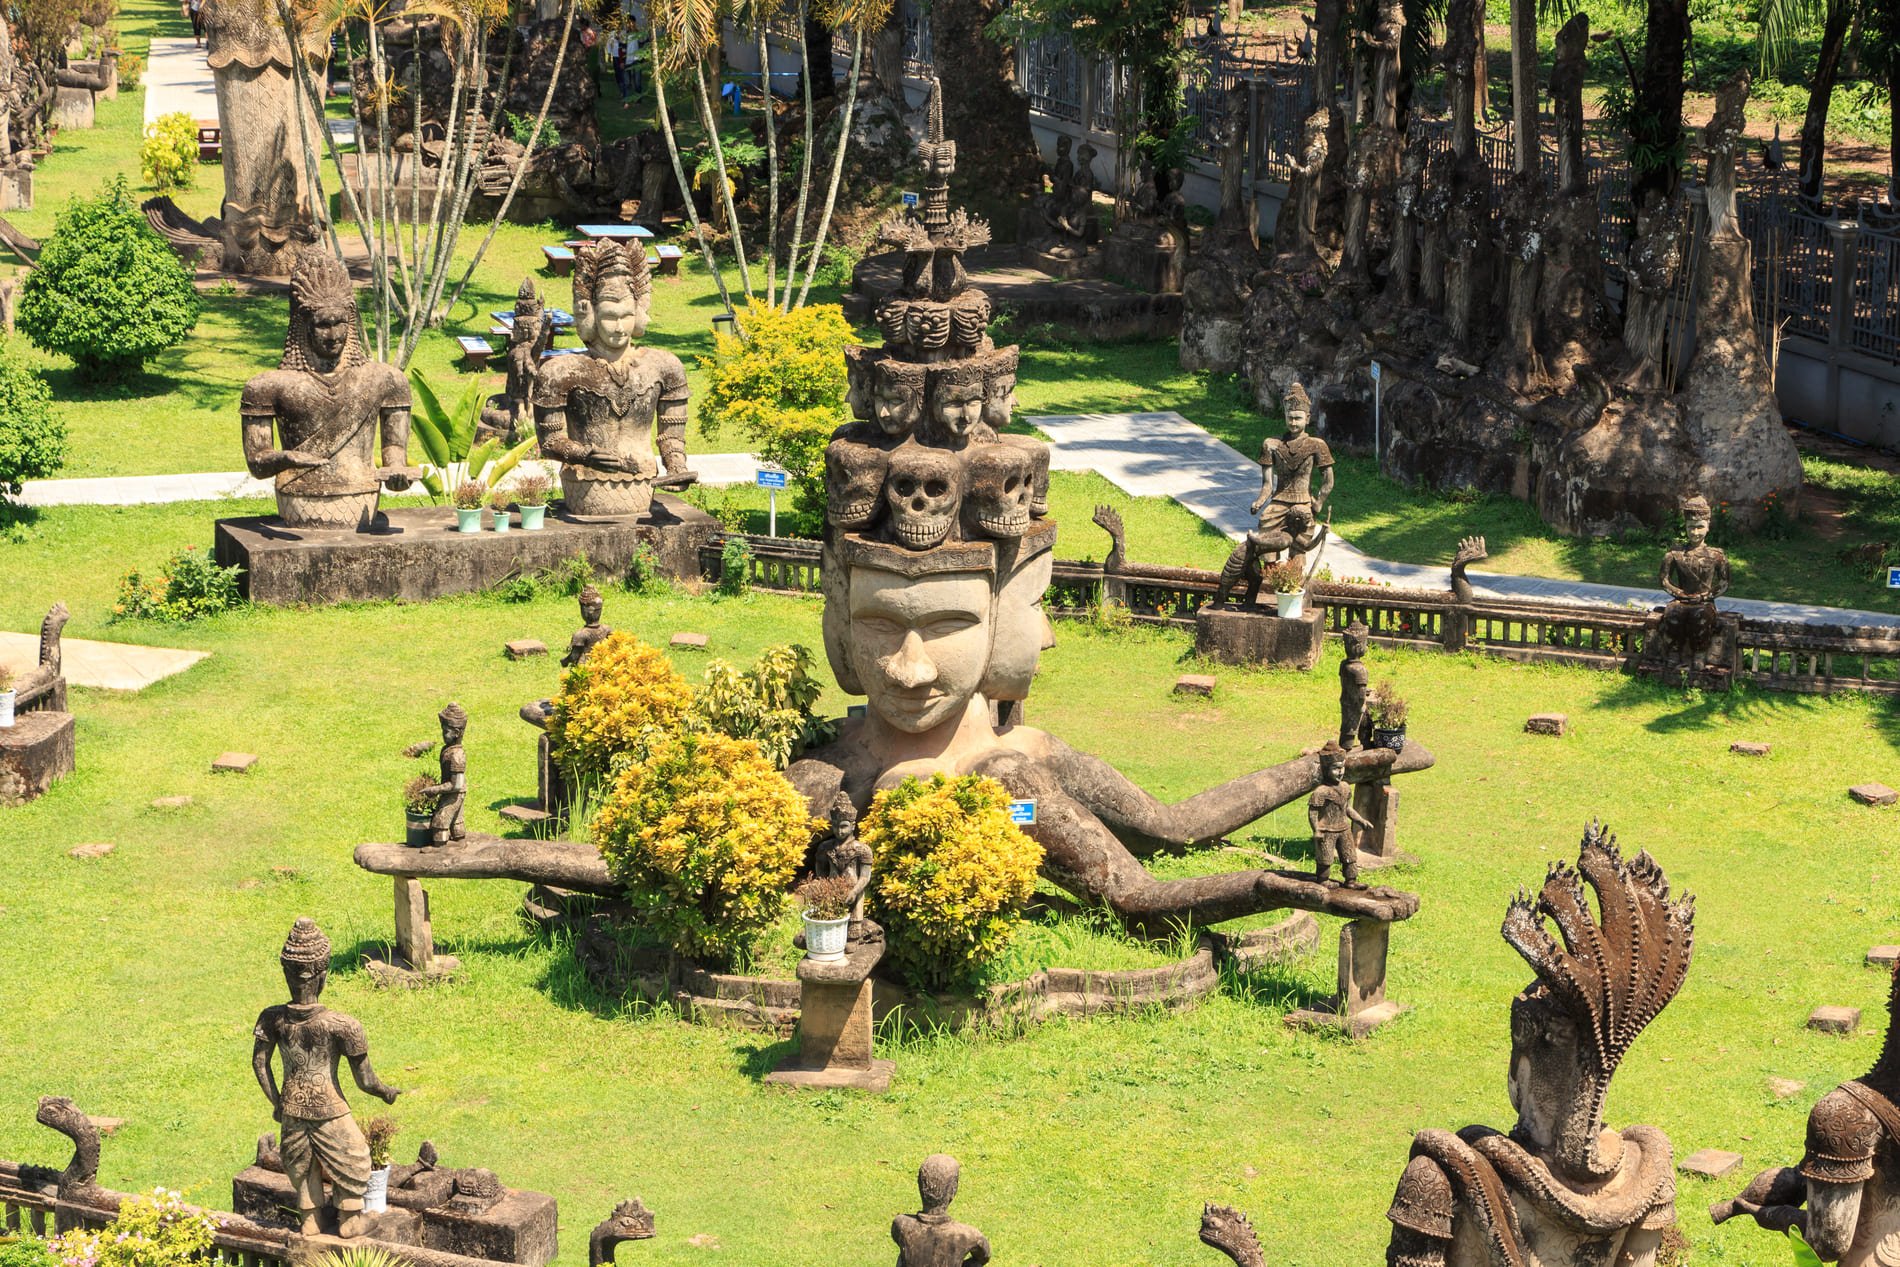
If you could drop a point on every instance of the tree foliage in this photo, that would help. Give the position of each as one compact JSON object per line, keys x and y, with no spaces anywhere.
{"x":168,"y":158}
{"x":32,"y":436}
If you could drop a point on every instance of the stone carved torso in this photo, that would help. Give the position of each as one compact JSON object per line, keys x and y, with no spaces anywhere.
{"x":1293,"y":463}
{"x":1703,"y":570}
{"x":335,"y":416}
{"x":612,"y":407}
{"x":1331,"y":803}
{"x":310,"y":1041}
{"x":935,"y":1240}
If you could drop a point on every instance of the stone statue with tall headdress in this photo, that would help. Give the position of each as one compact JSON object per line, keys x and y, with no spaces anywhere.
{"x":329,"y":405}
{"x":615,"y":418}
{"x":1562,"y":1190}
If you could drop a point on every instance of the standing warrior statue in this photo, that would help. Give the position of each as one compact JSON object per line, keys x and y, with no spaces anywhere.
{"x":1330,"y":815}
{"x":451,"y":794}
{"x":590,"y":632}
{"x":327,"y":401}
{"x":603,"y":415}
{"x":1353,"y":680}
{"x":1561,"y":1190}
{"x":1290,"y":465}
{"x":1304,"y":186}
{"x":320,"y":1140}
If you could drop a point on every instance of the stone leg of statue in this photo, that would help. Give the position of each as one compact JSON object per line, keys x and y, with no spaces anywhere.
{"x":1083,"y":856}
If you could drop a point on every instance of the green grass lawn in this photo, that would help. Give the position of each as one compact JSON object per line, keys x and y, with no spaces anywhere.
{"x":1088,"y":1144}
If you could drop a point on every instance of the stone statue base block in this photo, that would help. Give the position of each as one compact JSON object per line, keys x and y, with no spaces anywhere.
{"x":1251,"y":635}
{"x":876,"y":1079}
{"x":1357,"y":1025}
{"x":35,"y":751}
{"x":517,"y":1227}
{"x":394,"y":970}
{"x":1061,"y":264}
{"x":1147,"y":256}
{"x":834,"y":1025}
{"x":417,"y":555}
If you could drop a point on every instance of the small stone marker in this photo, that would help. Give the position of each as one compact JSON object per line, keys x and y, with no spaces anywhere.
{"x":526,"y":815}
{"x":171,"y":802}
{"x":1710,"y":1163}
{"x":1194,"y":684}
{"x":1834,"y":1020}
{"x":1552,"y":724}
{"x":234,"y":763}
{"x":1782,"y":1088}
{"x":690,"y":641}
{"x":420,"y":748}
{"x":522,"y":648}
{"x":1873,"y":794}
{"x":105,"y":1125}
{"x":98,"y":850}
{"x":1742,"y":748}
{"x":1883,"y":956}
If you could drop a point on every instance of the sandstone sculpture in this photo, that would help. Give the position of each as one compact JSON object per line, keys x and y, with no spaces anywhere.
{"x":328,"y":404}
{"x":321,"y":1142}
{"x":44,"y":685}
{"x":1330,"y":814}
{"x":511,"y":411}
{"x":1353,"y":680}
{"x":1228,"y":1230}
{"x":615,"y":418}
{"x":1561,"y":1190}
{"x":931,"y":1238}
{"x":630,"y":1221}
{"x":451,"y":793}
{"x":1695,"y":575}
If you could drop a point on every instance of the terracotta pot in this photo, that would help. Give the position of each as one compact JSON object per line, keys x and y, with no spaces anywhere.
{"x":531,"y":517}
{"x":416,"y":830}
{"x":825,"y":938}
{"x":1291,"y":606}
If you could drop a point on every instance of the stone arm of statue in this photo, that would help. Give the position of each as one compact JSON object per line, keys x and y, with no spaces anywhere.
{"x":262,"y":460}
{"x":1833,"y":1214}
{"x":1666,"y":576}
{"x":979,"y":1253}
{"x":672,"y":437}
{"x":551,"y":426}
{"x":1266,"y":485}
{"x":366,"y":1078}
{"x":1718,"y":583}
{"x":1325,"y":489}
{"x":266,"y":1077}
{"x":395,"y":470}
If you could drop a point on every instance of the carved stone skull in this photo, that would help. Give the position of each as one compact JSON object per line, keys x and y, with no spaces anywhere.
{"x":997,"y":503}
{"x":929,"y":326}
{"x":1038,"y":471}
{"x":893,"y":321}
{"x":854,"y":483}
{"x":922,"y":489}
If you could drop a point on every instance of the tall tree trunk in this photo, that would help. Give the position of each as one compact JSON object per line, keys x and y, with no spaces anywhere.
{"x":679,"y":170}
{"x":804,"y":175}
{"x":1827,"y":69}
{"x":1658,"y":121}
{"x":1523,"y":87}
{"x":733,"y":229}
{"x":998,"y":165}
{"x":771,"y":160}
{"x":818,"y":68}
{"x":837,"y":167}
{"x":1893,"y":128}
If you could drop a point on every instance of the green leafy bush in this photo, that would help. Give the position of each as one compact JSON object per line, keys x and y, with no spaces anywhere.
{"x":952,"y":874}
{"x":705,"y":836}
{"x":168,"y":160}
{"x":770,"y":703}
{"x":158,"y":1230}
{"x":780,"y":383}
{"x":192,"y":585}
{"x":32,"y":436}
{"x":108,"y":291}
{"x":735,"y":567}
{"x":617,"y":702}
{"x":131,"y":70}
{"x":521,"y":127}
{"x":26,"y":1251}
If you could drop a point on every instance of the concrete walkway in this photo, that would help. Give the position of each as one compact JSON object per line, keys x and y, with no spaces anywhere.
{"x":1164,"y":455}
{"x":178,"y":79}
{"x":116,"y":666}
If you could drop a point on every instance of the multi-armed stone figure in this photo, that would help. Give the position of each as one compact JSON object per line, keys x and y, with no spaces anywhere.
{"x":1561,"y":1190}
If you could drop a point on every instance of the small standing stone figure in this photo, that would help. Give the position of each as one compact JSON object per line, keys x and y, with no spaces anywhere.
{"x":1330,"y":813}
{"x":844,"y":854}
{"x":590,"y":632}
{"x":932,"y":1238}
{"x":1353,"y":680}
{"x":1695,"y":576}
{"x":320,"y":1140}
{"x":451,"y":794}
{"x":1291,"y":466}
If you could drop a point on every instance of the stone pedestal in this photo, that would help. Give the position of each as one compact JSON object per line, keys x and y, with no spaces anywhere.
{"x":413,"y":960}
{"x":1252,"y":635}
{"x":1360,"y":1006}
{"x":515,"y":1225}
{"x":36,"y":750}
{"x":16,"y":191}
{"x":834,"y":1026}
{"x":73,"y":108}
{"x":1059,"y":263}
{"x":1147,"y":255}
{"x":1379,"y":843}
{"x":416,"y":554}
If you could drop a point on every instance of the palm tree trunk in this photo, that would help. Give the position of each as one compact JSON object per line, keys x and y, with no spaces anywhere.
{"x":1820,"y":91}
{"x":804,"y":175}
{"x":711,"y":123}
{"x":771,"y":159}
{"x":679,"y":170}
{"x":837,"y":167}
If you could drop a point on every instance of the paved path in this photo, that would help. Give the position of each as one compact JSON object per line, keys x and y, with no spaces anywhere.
{"x":1164,"y":455}
{"x":118,"y":666}
{"x":177,"y":78}
{"x":715,"y":469}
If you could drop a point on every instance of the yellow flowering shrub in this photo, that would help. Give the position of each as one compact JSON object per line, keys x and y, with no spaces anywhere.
{"x":616,"y":701}
{"x":706,"y":836}
{"x":951,"y":874}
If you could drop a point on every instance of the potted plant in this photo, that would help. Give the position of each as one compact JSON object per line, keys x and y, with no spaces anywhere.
{"x":7,"y":696}
{"x":418,"y":808}
{"x":827,"y":916}
{"x":1387,"y":709}
{"x":469,"y":495}
{"x":498,"y":502}
{"x":1288,"y":580}
{"x":531,"y":494}
{"x":380,"y":1132}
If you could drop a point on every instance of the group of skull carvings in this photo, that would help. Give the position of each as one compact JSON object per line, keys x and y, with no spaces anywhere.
{"x":924,"y":462}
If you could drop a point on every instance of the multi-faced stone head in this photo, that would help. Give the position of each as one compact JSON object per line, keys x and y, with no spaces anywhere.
{"x":898,"y":395}
{"x":860,"y":385}
{"x":969,"y":319}
{"x":956,"y":401}
{"x":999,"y":387}
{"x":1022,"y":628}
{"x":854,"y":484}
{"x":929,"y":326}
{"x":996,"y":499}
{"x":612,"y":294}
{"x":919,"y":640}
{"x":923,"y":488}
{"x":893,"y":321}
{"x":306,"y":960}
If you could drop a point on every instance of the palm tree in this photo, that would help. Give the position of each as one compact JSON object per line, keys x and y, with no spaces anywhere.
{"x":858,"y":16}
{"x":1781,"y":22}
{"x":682,"y":30}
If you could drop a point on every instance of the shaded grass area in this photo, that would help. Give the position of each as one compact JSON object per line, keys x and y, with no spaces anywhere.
{"x":1090,"y":1144}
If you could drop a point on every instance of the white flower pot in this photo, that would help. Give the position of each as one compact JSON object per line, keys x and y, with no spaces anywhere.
{"x":6,"y":708}
{"x":468,"y":520}
{"x":1291,"y":606}
{"x":376,"y":1194}
{"x":825,"y":938}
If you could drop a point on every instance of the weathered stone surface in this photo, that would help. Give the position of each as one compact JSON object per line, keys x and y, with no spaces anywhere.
{"x":1194,"y":684}
{"x":522,"y":648}
{"x":233,"y":763}
{"x":1883,"y":956}
{"x":417,"y":555}
{"x":1830,"y":1019}
{"x":96,"y":850}
{"x":34,"y":752}
{"x":1873,"y":794}
{"x":1782,"y":1088}
{"x":1233,"y":635}
{"x":1555,"y":724}
{"x":526,"y":815}
{"x":1710,"y":1163}
{"x":689,"y":641}
{"x":1742,"y":748}
{"x":171,"y":802}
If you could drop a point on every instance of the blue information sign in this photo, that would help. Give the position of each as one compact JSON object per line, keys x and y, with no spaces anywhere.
{"x":1893,"y":578}
{"x":1022,"y":813}
{"x":910,"y":198}
{"x":773,"y":479}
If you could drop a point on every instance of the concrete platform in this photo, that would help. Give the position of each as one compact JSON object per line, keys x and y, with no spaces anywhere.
{"x":114,"y":666}
{"x":417,"y":555}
